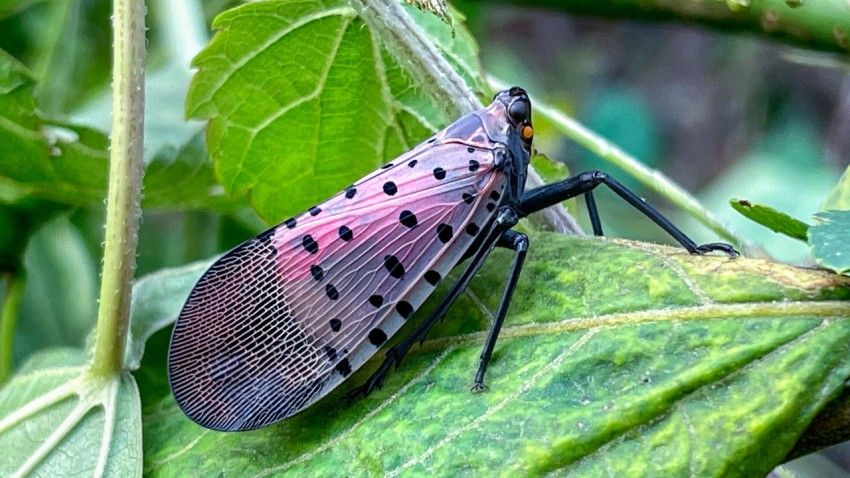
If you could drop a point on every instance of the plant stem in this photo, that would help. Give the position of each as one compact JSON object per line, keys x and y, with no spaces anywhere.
{"x":403,"y":36}
{"x":649,"y":177}
{"x":125,"y":170}
{"x":8,"y":317}
{"x":818,"y":25}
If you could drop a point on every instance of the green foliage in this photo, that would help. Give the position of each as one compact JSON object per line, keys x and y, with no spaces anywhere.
{"x":771,"y":218}
{"x":617,"y":357}
{"x":830,"y":240}
{"x":338,"y":106}
{"x":56,"y":419}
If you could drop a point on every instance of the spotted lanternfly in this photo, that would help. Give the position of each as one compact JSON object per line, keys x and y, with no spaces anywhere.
{"x":284,"y":318}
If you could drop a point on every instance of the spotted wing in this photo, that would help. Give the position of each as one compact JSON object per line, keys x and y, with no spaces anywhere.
{"x":279,"y":321}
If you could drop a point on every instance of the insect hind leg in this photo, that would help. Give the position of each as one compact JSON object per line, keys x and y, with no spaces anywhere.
{"x":584,"y":183}
{"x":517,"y":242}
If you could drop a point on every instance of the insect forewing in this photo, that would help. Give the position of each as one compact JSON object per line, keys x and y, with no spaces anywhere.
{"x":280,"y":320}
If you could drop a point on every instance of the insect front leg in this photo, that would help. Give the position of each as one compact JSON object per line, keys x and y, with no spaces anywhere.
{"x":518,"y":242}
{"x":584,"y":183}
{"x":505,"y":219}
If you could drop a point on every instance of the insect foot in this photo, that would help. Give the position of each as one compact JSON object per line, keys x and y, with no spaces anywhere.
{"x":717,"y":246}
{"x":376,"y":380}
{"x":478,"y":388}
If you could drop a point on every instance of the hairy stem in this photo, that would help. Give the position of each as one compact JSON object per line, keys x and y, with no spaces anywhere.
{"x":8,"y":317}
{"x":649,"y":177}
{"x":818,"y":25}
{"x":125,"y":171}
{"x":400,"y":33}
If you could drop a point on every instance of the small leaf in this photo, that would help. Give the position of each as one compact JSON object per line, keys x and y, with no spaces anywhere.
{"x":617,"y":358}
{"x":771,"y":218}
{"x":337,"y":106}
{"x":56,"y":419}
{"x":839,"y":197}
{"x":830,"y":240}
{"x":157,"y":300}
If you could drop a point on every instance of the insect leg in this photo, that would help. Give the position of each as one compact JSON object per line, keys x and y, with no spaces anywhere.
{"x":505,"y":219}
{"x":593,"y":213}
{"x":552,"y":194}
{"x":518,"y":242}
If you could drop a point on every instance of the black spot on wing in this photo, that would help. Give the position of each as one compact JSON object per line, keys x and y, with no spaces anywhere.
{"x":345,"y":233}
{"x":343,"y":367}
{"x":444,"y":232}
{"x":394,"y":266}
{"x":317,"y":272}
{"x":390,"y":188}
{"x":377,"y":337}
{"x":404,"y":309}
{"x":408,"y":219}
{"x":310,"y":245}
{"x":376,"y":300}
{"x":432,"y":277}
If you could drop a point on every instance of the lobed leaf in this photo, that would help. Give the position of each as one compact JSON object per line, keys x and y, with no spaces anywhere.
{"x":617,"y":358}
{"x":55,"y":419}
{"x":830,"y":240}
{"x":771,"y":218}
{"x":302,"y":99}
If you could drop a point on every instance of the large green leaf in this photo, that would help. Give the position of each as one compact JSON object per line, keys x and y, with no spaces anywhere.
{"x":56,"y":419}
{"x":302,"y":99}
{"x":617,"y":358}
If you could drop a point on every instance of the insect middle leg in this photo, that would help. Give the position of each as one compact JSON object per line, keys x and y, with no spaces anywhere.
{"x":505,"y":219}
{"x":584,"y":183}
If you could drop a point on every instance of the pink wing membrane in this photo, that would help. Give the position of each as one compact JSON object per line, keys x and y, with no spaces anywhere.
{"x":279,"y":321}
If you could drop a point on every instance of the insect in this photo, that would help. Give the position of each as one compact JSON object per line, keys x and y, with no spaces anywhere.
{"x":281,"y":320}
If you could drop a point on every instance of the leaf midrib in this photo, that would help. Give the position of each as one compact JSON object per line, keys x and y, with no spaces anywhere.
{"x":827,"y":309}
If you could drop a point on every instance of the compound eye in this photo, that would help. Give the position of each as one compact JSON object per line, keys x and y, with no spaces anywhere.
{"x":519,"y":111}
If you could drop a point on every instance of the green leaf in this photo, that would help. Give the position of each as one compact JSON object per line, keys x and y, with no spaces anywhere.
{"x":839,"y":197}
{"x":68,"y":164}
{"x":771,"y":218}
{"x":60,"y":303}
{"x":157,"y":300}
{"x":617,"y":358}
{"x":337,"y":105}
{"x":830,"y":240}
{"x":56,"y":419}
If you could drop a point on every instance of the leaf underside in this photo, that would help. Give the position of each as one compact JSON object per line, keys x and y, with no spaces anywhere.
{"x":775,"y":220}
{"x":620,"y":358}
{"x":830,"y":240}
{"x":331,"y":105}
{"x":55,"y":418}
